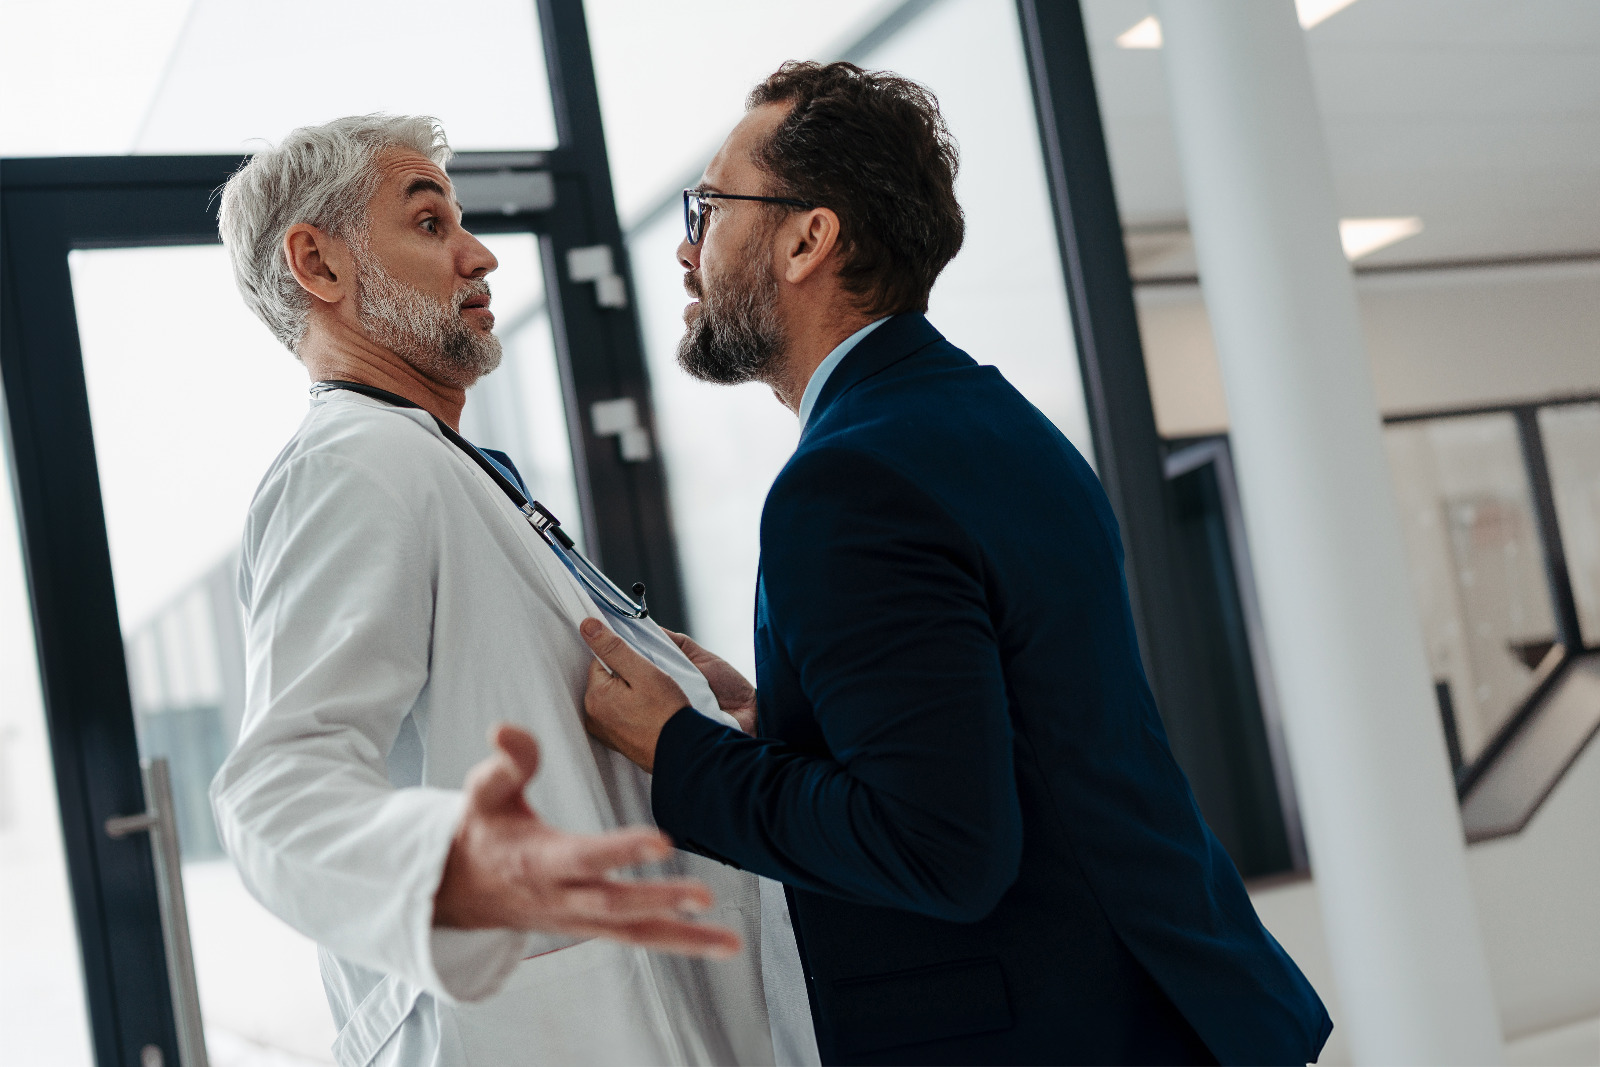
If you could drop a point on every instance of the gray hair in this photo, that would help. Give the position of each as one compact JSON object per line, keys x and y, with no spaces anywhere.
{"x":321,"y":175}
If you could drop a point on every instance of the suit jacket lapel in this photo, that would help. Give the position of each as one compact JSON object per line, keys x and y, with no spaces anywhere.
{"x":888,"y":344}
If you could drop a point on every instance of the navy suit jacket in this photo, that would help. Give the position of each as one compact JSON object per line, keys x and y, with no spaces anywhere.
{"x":960,"y":771}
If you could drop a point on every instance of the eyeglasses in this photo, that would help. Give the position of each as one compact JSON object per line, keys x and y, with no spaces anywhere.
{"x":695,"y":209}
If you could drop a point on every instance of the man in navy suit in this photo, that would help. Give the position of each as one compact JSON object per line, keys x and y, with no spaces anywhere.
{"x":951,"y":757}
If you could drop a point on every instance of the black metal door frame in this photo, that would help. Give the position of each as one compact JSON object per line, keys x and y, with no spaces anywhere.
{"x":1128,"y":449}
{"x":48,"y":207}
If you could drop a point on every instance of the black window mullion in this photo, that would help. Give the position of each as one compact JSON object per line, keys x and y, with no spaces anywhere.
{"x":1127,"y":445}
{"x":602,"y":349}
{"x":83,"y":676}
{"x":601,"y":358}
{"x":1569,"y":631}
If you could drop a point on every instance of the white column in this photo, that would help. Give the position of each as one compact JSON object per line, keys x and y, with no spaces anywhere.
{"x":1366,"y":745}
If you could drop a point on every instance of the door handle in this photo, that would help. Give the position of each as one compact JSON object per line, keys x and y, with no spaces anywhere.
{"x":161,"y":823}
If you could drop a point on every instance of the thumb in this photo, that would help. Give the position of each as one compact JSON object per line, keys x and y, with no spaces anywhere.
{"x":520,"y":746}
{"x":501,"y":778}
{"x":617,"y":655}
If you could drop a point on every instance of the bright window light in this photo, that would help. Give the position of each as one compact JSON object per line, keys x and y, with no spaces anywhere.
{"x":1146,"y":33}
{"x":1362,"y":237}
{"x":1312,"y":12}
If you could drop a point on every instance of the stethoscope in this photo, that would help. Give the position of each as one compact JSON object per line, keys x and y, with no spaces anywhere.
{"x":546,"y":525}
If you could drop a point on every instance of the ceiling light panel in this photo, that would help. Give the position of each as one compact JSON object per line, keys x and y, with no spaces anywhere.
{"x":1362,"y":237}
{"x":1146,"y":33}
{"x":1312,"y":12}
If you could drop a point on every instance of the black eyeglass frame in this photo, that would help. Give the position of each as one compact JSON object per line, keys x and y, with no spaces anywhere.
{"x":690,"y":217}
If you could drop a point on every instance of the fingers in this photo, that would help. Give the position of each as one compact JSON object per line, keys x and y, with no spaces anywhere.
{"x":618,"y":901}
{"x":584,"y":857}
{"x":691,"y":648}
{"x":600,"y":675}
{"x":681,"y":936}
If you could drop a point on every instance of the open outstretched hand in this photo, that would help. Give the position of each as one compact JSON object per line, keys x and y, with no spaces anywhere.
{"x":508,"y":868}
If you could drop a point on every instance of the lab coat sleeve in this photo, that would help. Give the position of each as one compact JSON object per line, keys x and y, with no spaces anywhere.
{"x":338,"y":585}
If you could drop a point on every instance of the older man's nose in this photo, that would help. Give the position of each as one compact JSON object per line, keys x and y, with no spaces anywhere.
{"x":478,"y":259}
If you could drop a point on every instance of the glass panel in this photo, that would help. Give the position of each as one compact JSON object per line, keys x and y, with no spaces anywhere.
{"x":1002,"y":297}
{"x":42,"y":1013}
{"x":92,"y":77}
{"x":518,"y":409}
{"x":1572,"y":449}
{"x":1476,"y":564}
{"x":188,"y":412}
{"x":661,"y":127}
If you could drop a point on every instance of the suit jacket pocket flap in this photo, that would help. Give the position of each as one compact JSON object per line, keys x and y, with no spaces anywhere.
{"x":934,"y":1003}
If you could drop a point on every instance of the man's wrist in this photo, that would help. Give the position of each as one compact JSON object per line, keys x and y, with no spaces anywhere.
{"x":647,"y":759}
{"x":655,"y":744}
{"x":684,"y":740}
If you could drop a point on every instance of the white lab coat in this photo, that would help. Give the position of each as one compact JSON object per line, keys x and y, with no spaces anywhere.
{"x":397,"y":606}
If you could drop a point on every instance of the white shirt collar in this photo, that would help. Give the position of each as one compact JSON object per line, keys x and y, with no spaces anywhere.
{"x":819,"y":377}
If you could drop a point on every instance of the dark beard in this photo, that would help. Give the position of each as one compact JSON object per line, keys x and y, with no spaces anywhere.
{"x":736,"y":336}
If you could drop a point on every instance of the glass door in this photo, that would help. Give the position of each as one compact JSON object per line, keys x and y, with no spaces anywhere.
{"x":1478,"y":566}
{"x":42,"y":1013}
{"x":188,"y":411}
{"x":144,"y":403}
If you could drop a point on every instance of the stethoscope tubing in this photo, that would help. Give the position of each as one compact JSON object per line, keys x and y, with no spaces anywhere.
{"x":544,"y":523}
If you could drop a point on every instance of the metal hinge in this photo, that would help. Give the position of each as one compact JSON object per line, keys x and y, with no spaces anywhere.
{"x":619,"y":418}
{"x":594,"y":263}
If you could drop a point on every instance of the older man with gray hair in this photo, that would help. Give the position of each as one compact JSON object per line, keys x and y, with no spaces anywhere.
{"x":403,"y":599}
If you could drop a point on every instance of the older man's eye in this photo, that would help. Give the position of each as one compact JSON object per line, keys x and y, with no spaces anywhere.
{"x":430,"y":224}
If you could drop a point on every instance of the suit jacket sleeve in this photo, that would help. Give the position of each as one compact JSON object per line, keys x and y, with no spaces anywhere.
{"x":876,"y":596}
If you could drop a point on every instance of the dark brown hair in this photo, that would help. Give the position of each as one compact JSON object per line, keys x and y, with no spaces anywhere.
{"x":873,"y":147}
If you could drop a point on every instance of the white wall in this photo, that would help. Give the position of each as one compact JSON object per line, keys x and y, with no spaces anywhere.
{"x":1538,"y":899}
{"x":1436,"y":340}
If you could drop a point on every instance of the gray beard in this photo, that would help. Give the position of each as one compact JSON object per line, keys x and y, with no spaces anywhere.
{"x":736,"y":336}
{"x":428,"y":335}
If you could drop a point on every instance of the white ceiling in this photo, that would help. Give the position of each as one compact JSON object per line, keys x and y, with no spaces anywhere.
{"x":1480,"y":116}
{"x":104,"y":77}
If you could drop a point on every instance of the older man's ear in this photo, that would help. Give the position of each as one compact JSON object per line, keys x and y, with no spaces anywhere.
{"x":320,"y":262}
